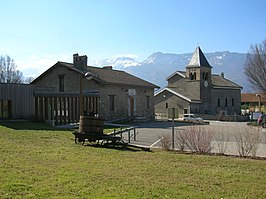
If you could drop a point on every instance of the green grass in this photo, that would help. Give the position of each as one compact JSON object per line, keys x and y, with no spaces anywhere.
{"x":48,"y":164}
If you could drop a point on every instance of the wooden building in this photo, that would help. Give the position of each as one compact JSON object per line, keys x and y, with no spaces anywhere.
{"x":16,"y":101}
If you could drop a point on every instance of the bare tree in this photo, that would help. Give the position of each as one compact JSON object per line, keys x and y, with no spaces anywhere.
{"x":8,"y":71}
{"x":255,"y":66}
{"x":195,"y":139}
{"x":248,"y":141}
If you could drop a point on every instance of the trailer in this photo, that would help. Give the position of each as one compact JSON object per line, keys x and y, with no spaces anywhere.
{"x":91,"y":130}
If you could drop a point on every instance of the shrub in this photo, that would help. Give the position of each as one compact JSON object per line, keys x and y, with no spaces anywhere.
{"x":165,"y":142}
{"x":222,"y":142}
{"x":195,"y":138}
{"x":247,"y":141}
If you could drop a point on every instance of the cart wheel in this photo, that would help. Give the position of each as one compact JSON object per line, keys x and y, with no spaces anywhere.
{"x":76,"y":139}
{"x":79,"y":141}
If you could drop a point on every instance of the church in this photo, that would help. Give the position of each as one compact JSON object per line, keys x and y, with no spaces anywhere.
{"x":196,"y":90}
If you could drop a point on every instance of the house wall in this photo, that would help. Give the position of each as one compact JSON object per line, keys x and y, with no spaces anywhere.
{"x":71,"y":80}
{"x":228,"y":94}
{"x":122,"y":101}
{"x":120,"y":93}
{"x":166,"y":100}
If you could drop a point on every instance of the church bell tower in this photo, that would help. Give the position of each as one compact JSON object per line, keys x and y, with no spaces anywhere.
{"x":198,"y":73}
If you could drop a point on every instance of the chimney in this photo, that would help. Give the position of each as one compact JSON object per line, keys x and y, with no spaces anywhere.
{"x":108,"y":67}
{"x":222,"y":74}
{"x":80,"y":62}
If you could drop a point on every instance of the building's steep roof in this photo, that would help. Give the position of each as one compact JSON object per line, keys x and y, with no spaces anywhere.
{"x":198,"y":59}
{"x":106,"y":75}
{"x":216,"y":80}
{"x":182,"y":95}
{"x":183,"y":92}
{"x":220,"y":81}
{"x":119,"y":77}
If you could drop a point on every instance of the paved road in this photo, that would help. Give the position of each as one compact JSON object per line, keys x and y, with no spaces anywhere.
{"x":150,"y":132}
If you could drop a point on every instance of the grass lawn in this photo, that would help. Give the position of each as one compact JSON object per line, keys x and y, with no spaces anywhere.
{"x":47,"y":163}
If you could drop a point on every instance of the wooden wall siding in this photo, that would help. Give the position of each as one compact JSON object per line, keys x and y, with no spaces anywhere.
{"x":21,"y":97}
{"x":63,"y":110}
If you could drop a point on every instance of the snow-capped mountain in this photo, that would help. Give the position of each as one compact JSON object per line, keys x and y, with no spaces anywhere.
{"x":158,"y":66}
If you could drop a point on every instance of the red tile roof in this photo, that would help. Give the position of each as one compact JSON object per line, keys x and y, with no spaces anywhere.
{"x":251,"y":97}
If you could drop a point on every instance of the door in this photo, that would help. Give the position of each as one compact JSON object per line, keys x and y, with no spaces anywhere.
{"x":131,"y":106}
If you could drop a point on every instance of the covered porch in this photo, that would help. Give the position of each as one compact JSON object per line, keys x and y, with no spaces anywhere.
{"x":64,"y":108}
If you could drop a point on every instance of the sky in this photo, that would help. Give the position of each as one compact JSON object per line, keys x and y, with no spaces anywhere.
{"x":38,"y":33}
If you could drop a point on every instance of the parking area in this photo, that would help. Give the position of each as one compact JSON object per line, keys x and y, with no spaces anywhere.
{"x":149,"y":134}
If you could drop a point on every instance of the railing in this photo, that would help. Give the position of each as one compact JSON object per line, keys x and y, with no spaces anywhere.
{"x":128,"y":131}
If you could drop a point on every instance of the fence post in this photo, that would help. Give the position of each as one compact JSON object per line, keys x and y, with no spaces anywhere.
{"x":173,"y":128}
{"x":134,"y":134}
{"x":128,"y":135}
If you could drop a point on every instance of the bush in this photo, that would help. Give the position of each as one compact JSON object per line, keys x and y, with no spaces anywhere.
{"x":165,"y":142}
{"x":222,"y":142}
{"x":194,"y":139}
{"x":248,"y":140}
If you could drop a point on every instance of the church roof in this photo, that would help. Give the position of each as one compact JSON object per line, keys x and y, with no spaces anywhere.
{"x":198,"y":59}
{"x":219,"y":81}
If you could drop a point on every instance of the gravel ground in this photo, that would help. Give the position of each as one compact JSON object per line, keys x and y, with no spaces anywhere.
{"x":149,"y":133}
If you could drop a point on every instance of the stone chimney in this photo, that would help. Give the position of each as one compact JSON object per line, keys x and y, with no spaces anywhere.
{"x":80,"y":62}
{"x":222,"y":74}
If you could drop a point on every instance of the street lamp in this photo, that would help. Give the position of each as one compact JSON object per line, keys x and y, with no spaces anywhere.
{"x":258,"y":95}
{"x":88,"y":76}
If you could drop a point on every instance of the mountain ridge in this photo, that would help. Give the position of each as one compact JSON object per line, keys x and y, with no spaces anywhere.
{"x":158,"y":66}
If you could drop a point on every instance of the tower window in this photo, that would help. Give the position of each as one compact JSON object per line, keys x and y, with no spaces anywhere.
{"x":205,"y":75}
{"x":192,"y":76}
{"x":219,"y":102}
{"x":166,"y":105}
{"x":233,"y":102}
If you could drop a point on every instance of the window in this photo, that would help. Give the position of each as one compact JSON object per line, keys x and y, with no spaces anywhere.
{"x":225,"y":102}
{"x":219,"y":102}
{"x":148,"y":102}
{"x":111,"y":102}
{"x":192,"y":76}
{"x":166,"y":105}
{"x":205,"y":76}
{"x":233,"y":102}
{"x":61,"y":83}
{"x":185,"y":111}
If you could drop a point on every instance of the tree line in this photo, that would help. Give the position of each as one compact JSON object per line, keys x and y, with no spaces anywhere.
{"x":9,"y":72}
{"x":255,"y":67}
